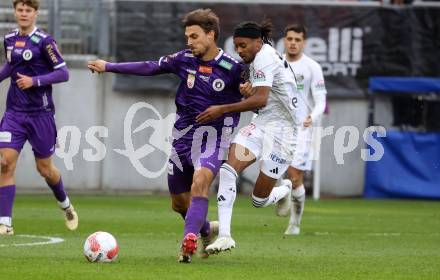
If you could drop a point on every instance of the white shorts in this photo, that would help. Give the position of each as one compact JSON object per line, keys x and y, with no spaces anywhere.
{"x":303,"y":155}
{"x":273,"y":150}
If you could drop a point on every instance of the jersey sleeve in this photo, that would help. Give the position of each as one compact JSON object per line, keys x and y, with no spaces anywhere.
{"x":264,"y":70}
{"x":170,"y":63}
{"x":52,"y":54}
{"x":317,"y":82}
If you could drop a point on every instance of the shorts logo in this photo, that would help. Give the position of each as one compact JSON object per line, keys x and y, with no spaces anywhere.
{"x":274,"y":171}
{"x":191,"y":80}
{"x":170,"y":168}
{"x":277,"y":159}
{"x":218,"y":85}
{"x":27,"y":55}
{"x":5,"y":137}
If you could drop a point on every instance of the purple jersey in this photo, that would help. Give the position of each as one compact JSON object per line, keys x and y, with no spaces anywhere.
{"x":33,"y":55}
{"x":203,"y":83}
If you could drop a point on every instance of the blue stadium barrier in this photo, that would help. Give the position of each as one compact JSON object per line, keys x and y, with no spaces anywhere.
{"x":410,"y":166}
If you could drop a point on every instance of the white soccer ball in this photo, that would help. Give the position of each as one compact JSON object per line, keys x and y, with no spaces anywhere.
{"x":101,"y":247}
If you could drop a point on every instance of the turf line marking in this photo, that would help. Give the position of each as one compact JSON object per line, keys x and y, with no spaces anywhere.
{"x":50,"y":240}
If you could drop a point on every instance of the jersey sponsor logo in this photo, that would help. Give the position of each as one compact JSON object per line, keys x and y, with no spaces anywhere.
{"x":299,"y":81}
{"x":188,"y":55}
{"x":225,"y":64}
{"x":277,"y":159}
{"x":51,"y":51}
{"x":35,"y":39}
{"x":205,"y":69}
{"x":259,"y":76}
{"x":247,"y":130}
{"x":218,"y":85}
{"x":190,"y":80}
{"x":5,"y":137}
{"x":204,"y":78}
{"x":27,"y":55}
{"x":20,"y":44}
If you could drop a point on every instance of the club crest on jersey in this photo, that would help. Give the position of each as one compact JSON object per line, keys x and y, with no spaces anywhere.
{"x":218,"y":85}
{"x":27,"y":55}
{"x":190,"y":80}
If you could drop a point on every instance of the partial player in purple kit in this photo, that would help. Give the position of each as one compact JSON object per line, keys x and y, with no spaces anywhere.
{"x":33,"y":64}
{"x":208,"y":77}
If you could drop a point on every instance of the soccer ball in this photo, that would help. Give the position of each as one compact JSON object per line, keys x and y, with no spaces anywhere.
{"x":101,"y":247}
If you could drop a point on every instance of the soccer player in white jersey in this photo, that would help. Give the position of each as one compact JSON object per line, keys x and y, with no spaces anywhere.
{"x":312,"y":94}
{"x":269,"y":138}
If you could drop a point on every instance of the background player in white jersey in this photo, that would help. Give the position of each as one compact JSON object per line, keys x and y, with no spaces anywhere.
{"x":312,"y":94}
{"x":268,"y":138}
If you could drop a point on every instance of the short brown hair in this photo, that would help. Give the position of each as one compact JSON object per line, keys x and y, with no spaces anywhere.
{"x":205,"y":18}
{"x":31,"y":3}
{"x":298,"y":28}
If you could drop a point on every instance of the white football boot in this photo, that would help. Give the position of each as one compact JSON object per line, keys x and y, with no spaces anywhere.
{"x":221,"y":244}
{"x":70,"y":217}
{"x":204,"y":241}
{"x":6,"y":230}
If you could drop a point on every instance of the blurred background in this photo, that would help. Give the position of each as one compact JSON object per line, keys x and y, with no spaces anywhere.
{"x":352,"y":40}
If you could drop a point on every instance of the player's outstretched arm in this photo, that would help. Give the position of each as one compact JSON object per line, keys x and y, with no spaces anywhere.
{"x":143,"y":68}
{"x":254,"y":102}
{"x":5,"y":71}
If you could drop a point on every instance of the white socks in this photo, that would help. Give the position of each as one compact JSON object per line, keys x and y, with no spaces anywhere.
{"x":7,"y":221}
{"x":63,"y":205}
{"x":297,"y":209}
{"x":275,"y":195}
{"x":227,"y":192}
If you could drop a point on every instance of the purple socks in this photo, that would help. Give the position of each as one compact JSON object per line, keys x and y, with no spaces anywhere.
{"x":196,"y":216}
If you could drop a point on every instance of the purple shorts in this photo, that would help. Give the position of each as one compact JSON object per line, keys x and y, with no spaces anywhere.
{"x":186,"y":158}
{"x":40,"y":130}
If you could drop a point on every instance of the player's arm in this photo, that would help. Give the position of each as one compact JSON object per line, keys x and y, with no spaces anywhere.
{"x":59,"y":73}
{"x":5,"y":71}
{"x":142,"y":68}
{"x":256,"y":101}
{"x":166,"y":64}
{"x":318,"y":94}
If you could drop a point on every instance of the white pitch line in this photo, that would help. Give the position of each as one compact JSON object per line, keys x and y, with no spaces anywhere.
{"x":50,"y":240}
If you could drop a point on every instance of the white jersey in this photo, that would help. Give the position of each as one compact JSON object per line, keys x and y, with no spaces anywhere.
{"x":311,"y":86}
{"x":271,"y":70}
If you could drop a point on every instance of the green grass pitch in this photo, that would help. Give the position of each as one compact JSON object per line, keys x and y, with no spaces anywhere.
{"x":340,"y":239}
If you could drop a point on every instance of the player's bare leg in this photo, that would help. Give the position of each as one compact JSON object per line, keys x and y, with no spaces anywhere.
{"x":298,"y":200}
{"x":52,"y":175}
{"x":8,"y":159}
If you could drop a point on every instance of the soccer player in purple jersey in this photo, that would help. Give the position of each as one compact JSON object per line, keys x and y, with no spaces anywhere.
{"x":33,"y":63}
{"x":208,"y":77}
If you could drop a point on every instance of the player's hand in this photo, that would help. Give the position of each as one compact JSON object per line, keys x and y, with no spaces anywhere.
{"x":246,"y":89}
{"x":210,"y":114}
{"x":97,"y":65}
{"x":24,"y":82}
{"x":308,"y":121}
